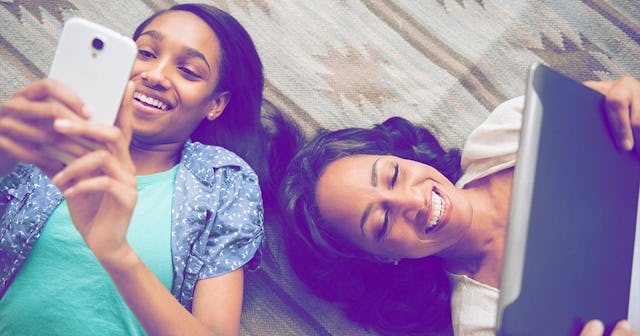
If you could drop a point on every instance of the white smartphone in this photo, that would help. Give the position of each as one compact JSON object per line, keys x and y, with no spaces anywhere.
{"x":95,"y":62}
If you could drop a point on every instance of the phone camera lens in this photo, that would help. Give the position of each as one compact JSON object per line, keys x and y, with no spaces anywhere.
{"x":97,"y":44}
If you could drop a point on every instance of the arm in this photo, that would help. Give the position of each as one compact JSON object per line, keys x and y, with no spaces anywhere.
{"x":218,"y":302}
{"x":623,"y":109}
{"x":216,"y":307}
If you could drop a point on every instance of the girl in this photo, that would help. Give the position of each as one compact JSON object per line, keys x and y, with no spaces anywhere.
{"x":149,"y":232}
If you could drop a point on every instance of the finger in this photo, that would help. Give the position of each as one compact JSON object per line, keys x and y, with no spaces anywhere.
{"x":43,"y":111}
{"x":600,"y":86}
{"x":620,"y":124}
{"x":46,"y":89}
{"x":38,"y":140}
{"x":96,"y":163}
{"x":30,"y":153}
{"x":622,"y":328}
{"x":593,"y":328}
{"x":125,"y":195}
{"x":19,"y":131}
{"x":618,"y":104}
{"x":110,"y":137}
{"x":80,"y":132}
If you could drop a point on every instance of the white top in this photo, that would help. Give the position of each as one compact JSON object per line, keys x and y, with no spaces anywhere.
{"x":490,"y":148}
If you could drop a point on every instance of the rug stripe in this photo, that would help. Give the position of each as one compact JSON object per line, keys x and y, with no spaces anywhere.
{"x":469,"y":75}
{"x":307,"y":123}
{"x":616,"y":18}
{"x":10,"y":51}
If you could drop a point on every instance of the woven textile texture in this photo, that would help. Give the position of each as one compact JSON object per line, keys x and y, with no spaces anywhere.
{"x":340,"y":63}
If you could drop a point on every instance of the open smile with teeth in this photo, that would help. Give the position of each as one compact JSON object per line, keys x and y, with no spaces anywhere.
{"x":149,"y":101}
{"x":437,"y":209}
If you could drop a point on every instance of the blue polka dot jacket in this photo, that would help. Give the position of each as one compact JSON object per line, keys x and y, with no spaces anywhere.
{"x":217,"y":223}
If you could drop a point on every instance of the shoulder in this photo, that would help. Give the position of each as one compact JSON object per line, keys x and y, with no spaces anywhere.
{"x":473,"y":306}
{"x":493,"y":145}
{"x":215,"y":181}
{"x":205,"y":160}
{"x":212,"y":156}
{"x":505,"y":117}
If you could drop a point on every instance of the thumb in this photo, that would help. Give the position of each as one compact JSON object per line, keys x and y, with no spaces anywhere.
{"x":124,"y":121}
{"x":600,"y":86}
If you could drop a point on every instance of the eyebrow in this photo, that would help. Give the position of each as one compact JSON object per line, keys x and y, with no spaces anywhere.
{"x":153,"y":34}
{"x":191,"y":52}
{"x":374,"y":182}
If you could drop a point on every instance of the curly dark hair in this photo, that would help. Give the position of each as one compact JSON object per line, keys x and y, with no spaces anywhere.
{"x":413,"y":297}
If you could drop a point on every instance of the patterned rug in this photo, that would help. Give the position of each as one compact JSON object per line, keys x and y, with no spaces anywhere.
{"x":333,"y":64}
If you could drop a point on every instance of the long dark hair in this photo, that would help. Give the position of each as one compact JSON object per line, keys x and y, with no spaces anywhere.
{"x":410,"y":298}
{"x":264,"y":140}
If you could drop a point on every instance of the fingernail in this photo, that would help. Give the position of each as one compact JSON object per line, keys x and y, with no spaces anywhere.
{"x":68,"y":193}
{"x":62,"y":124}
{"x":624,"y":325}
{"x":57,"y":177}
{"x":627,"y":144}
{"x":595,"y":327}
{"x":85,"y":111}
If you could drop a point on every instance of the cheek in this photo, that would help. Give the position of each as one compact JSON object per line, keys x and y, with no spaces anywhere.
{"x":137,"y":69}
{"x":197,"y":97}
{"x":401,"y":237}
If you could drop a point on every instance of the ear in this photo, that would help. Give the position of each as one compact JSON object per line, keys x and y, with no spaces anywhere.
{"x":218,"y":104}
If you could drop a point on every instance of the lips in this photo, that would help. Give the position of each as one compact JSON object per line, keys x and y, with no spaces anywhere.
{"x":154,"y":102}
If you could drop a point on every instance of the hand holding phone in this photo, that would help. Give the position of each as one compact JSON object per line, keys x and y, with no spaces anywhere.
{"x":91,"y":68}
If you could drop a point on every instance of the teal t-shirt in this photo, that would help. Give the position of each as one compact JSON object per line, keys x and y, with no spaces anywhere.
{"x":62,"y":288}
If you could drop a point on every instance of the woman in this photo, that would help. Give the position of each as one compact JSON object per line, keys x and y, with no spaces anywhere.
{"x":149,"y":232}
{"x":375,"y":222}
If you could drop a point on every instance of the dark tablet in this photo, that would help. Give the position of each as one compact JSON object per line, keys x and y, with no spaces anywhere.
{"x":572,"y":246}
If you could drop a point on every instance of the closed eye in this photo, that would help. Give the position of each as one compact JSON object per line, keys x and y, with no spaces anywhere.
{"x":385,"y":222}
{"x":384,"y":226}
{"x":394,"y":178}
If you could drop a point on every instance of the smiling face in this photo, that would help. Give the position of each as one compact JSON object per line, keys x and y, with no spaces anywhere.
{"x":175,"y":75}
{"x":390,"y":207}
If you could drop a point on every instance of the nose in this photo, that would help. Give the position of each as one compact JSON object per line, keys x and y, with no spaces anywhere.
{"x":156,"y":78}
{"x":407,"y":203}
